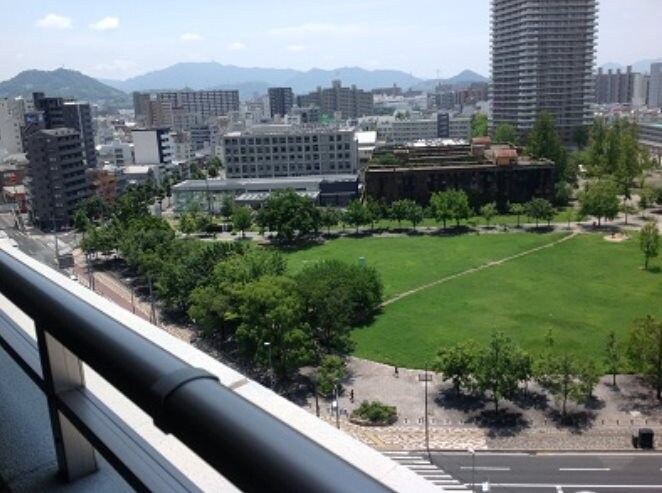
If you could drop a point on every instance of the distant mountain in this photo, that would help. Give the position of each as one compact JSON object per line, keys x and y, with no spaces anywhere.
{"x":64,"y":83}
{"x":641,"y":66}
{"x":211,"y":75}
{"x":462,"y":79}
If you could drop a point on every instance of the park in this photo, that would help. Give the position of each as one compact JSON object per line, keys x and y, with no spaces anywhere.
{"x":581,"y":287}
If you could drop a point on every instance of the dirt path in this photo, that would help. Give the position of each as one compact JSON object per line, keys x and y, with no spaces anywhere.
{"x":488,"y":265}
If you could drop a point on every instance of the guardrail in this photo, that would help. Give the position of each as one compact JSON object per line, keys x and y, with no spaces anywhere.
{"x":244,"y":443}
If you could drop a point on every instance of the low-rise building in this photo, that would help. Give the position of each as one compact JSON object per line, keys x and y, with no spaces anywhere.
{"x":650,"y":137}
{"x":116,"y":154}
{"x":486,"y":173}
{"x":331,"y":190}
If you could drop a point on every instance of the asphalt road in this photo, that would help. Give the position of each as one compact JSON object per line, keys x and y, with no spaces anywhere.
{"x":557,"y":473}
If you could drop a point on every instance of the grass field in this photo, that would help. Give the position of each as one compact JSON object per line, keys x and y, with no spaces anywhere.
{"x":581,"y":289}
{"x":406,"y":262}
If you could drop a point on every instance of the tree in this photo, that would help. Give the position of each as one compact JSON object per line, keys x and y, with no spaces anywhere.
{"x":375,"y":211}
{"x":461,"y":208}
{"x":399,"y":210}
{"x":271,"y":311}
{"x":560,"y":378}
{"x":458,"y":364}
{"x":329,"y":217}
{"x":600,"y":200}
{"x":414,"y":214}
{"x":291,"y":215}
{"x":644,"y":350}
{"x":544,"y":142}
{"x":488,"y":211}
{"x":647,"y":197}
{"x":242,"y":218}
{"x":518,"y":210}
{"x":540,"y":209}
{"x":612,"y":356}
{"x":588,"y":376}
{"x":479,"y":125}
{"x":356,"y":214}
{"x":498,"y":368}
{"x":649,"y":241}
{"x":441,"y":206}
{"x":580,"y":136}
{"x":227,"y":206}
{"x":505,"y":133}
{"x":628,"y":209}
{"x":331,"y":372}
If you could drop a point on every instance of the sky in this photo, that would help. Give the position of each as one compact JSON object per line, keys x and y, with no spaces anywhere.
{"x":427,"y":38}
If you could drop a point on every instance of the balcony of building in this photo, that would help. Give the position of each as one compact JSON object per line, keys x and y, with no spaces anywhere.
{"x":95,"y":398}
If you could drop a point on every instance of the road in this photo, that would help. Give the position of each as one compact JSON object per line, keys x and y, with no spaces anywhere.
{"x":556,"y":472}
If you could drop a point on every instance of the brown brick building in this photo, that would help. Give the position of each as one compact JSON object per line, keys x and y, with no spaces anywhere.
{"x":490,"y":175}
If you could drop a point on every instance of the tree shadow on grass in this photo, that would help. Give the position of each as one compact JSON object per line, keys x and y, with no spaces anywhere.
{"x":449,"y":399}
{"x":502,"y":423}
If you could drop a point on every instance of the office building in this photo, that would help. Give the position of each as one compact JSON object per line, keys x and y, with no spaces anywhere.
{"x":655,"y":86}
{"x":349,"y":102}
{"x":116,"y":154}
{"x":281,"y":100}
{"x":78,"y":116}
{"x":283,"y":150}
{"x":152,"y":146}
{"x":443,"y":125}
{"x":543,"y":54}
{"x":459,"y":127}
{"x":404,"y":131}
{"x":56,"y":175}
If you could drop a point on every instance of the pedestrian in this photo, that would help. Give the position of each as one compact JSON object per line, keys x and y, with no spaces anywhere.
{"x":396,"y":372}
{"x":351,"y":395}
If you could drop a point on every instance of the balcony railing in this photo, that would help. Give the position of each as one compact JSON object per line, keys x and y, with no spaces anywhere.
{"x":245,"y":443}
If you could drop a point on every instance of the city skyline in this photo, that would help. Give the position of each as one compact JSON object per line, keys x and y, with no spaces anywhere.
{"x":116,"y":41}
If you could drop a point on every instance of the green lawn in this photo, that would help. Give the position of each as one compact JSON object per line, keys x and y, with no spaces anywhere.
{"x":406,"y":262}
{"x":581,"y":289}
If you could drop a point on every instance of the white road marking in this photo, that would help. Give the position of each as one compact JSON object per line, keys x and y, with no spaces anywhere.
{"x":485,"y":468}
{"x":584,"y":469}
{"x":582,"y":486}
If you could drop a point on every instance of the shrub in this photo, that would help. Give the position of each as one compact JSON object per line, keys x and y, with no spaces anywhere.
{"x":375,"y":412}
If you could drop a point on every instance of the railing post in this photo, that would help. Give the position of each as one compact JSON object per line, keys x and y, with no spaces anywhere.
{"x":63,"y":371}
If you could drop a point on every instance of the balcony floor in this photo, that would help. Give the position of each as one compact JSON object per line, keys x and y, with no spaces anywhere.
{"x":27,"y":455}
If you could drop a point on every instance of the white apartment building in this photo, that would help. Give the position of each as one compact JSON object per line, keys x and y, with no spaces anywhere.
{"x":411,"y":130}
{"x":12,"y":117}
{"x":152,"y":146}
{"x":270,"y":151}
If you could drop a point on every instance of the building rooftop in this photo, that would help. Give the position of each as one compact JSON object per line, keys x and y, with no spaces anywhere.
{"x":285,"y":182}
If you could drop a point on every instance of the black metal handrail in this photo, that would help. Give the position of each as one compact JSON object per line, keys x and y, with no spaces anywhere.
{"x":247,"y":445}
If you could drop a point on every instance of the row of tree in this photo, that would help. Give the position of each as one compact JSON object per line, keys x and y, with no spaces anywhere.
{"x":501,"y":368}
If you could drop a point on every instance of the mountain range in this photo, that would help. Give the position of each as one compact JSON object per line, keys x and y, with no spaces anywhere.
{"x":64,"y":83}
{"x":197,"y":76}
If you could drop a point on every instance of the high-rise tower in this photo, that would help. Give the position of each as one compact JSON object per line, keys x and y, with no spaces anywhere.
{"x":543,"y":56}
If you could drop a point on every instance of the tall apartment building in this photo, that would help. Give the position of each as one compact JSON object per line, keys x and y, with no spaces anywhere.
{"x":206,"y":103}
{"x":655,"y":86}
{"x":543,"y":54}
{"x":12,"y":118}
{"x":281,"y":100}
{"x":349,"y":101}
{"x":273,"y":151}
{"x":56,"y":175}
{"x":58,"y":113}
{"x":614,"y":87}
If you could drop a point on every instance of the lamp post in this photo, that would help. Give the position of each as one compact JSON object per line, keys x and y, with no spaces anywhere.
{"x":427,"y":428}
{"x":271,"y":368}
{"x":473,"y":467}
{"x":336,"y":400}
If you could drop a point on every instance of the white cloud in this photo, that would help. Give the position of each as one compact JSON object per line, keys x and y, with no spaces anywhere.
{"x":295,"y":48}
{"x":236,"y":46}
{"x":106,"y":24}
{"x":190,"y":37}
{"x":54,"y":21}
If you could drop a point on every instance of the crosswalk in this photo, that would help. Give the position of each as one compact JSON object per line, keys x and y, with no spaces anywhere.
{"x":421,"y":465}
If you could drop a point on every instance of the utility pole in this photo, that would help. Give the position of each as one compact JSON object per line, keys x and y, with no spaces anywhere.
{"x":57,"y":249}
{"x":337,"y":402}
{"x":271,"y":368}
{"x":427,"y":429}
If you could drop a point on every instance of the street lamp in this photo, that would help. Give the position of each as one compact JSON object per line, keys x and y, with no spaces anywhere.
{"x":271,"y":368}
{"x":337,"y":403}
{"x":473,"y":467}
